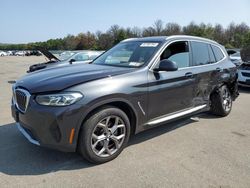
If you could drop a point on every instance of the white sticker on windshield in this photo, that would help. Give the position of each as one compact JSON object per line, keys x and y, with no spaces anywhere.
{"x":136,"y":64}
{"x":149,"y":44}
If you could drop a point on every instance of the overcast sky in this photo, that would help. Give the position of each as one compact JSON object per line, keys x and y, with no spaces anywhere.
{"x":39,"y":20}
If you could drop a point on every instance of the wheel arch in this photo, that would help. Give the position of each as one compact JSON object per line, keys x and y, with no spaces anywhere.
{"x":121,"y":104}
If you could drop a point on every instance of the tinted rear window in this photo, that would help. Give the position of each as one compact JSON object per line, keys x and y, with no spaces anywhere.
{"x":200,"y":53}
{"x":218,"y":53}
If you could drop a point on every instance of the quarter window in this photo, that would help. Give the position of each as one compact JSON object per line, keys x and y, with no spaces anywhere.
{"x":218,"y":53}
{"x":177,"y":52}
{"x":200,"y":53}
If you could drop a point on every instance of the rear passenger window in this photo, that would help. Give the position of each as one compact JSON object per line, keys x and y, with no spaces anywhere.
{"x":200,"y":53}
{"x":218,"y":53}
{"x":177,"y":52}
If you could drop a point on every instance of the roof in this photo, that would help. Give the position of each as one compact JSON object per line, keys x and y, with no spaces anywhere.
{"x":165,"y":38}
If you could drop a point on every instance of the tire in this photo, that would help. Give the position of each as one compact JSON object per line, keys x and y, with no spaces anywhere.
{"x":104,"y":135}
{"x":221,"y":102}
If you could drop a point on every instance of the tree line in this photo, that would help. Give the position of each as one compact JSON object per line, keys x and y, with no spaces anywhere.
{"x":233,"y":36}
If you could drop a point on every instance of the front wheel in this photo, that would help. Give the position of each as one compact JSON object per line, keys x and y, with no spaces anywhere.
{"x":221,"y":101}
{"x":104,"y":135}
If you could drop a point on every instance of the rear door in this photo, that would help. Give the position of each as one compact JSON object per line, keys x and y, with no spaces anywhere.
{"x":203,"y":62}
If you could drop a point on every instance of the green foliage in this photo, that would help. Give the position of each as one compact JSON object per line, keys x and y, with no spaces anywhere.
{"x":234,"y":36}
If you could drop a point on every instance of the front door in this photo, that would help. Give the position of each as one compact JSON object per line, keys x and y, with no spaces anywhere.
{"x":170,"y":92}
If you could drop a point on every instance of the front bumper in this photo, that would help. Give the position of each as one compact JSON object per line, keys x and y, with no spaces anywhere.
{"x":49,"y":126}
{"x":27,"y":134}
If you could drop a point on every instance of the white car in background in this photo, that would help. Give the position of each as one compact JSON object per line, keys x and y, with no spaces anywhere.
{"x":10,"y":53}
{"x":20,"y":53}
{"x":236,"y":58}
{"x":2,"y":53}
{"x":66,"y":55}
{"x":243,"y":67}
{"x":84,"y":57}
{"x":244,"y":74}
{"x":234,"y":55}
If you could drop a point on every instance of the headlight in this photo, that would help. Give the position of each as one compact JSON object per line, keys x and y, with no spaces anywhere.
{"x":62,"y":99}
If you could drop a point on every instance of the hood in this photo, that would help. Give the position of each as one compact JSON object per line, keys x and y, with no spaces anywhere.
{"x":57,"y":79}
{"x":47,"y":54}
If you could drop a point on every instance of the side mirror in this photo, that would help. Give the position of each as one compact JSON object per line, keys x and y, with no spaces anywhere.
{"x":89,"y":61}
{"x":72,"y":60}
{"x":167,"y":65}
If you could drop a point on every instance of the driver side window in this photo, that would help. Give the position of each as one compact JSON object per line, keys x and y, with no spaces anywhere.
{"x":177,"y":52}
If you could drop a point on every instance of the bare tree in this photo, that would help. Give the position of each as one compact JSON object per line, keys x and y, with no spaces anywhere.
{"x":172,"y":29}
{"x":158,"y":27}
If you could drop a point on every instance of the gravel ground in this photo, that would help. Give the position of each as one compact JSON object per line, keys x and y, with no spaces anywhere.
{"x":211,"y":152}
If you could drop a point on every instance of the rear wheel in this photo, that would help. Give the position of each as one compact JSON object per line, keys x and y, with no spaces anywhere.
{"x":221,"y":101}
{"x":104,"y":135}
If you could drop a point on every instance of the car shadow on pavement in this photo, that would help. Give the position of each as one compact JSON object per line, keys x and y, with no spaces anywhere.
{"x":19,"y":157}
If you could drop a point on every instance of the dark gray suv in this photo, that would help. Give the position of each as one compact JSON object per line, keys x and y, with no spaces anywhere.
{"x":138,"y":84}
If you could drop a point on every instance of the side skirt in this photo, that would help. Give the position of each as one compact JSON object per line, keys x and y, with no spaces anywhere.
{"x":176,"y":115}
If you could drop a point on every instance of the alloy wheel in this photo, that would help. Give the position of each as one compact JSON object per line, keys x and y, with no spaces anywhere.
{"x":227,"y":100}
{"x":108,"y":136}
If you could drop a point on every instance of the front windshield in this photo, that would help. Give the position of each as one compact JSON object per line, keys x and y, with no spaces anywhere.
{"x":129,"y":54}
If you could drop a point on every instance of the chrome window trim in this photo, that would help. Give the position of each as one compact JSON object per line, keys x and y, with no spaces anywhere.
{"x":27,"y":94}
{"x":154,"y":60}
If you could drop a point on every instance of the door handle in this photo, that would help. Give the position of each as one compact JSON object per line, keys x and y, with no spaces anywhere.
{"x":218,"y":69}
{"x":189,"y":75}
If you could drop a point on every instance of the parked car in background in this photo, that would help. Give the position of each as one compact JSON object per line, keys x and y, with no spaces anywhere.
{"x":232,"y":51}
{"x":234,"y":55}
{"x":2,"y":53}
{"x":20,"y":53}
{"x":136,"y":85}
{"x":243,"y":67}
{"x":236,"y":58}
{"x":244,"y":74}
{"x":10,"y":53}
{"x":65,"y":55}
{"x":33,"y":53}
{"x":86,"y":56}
